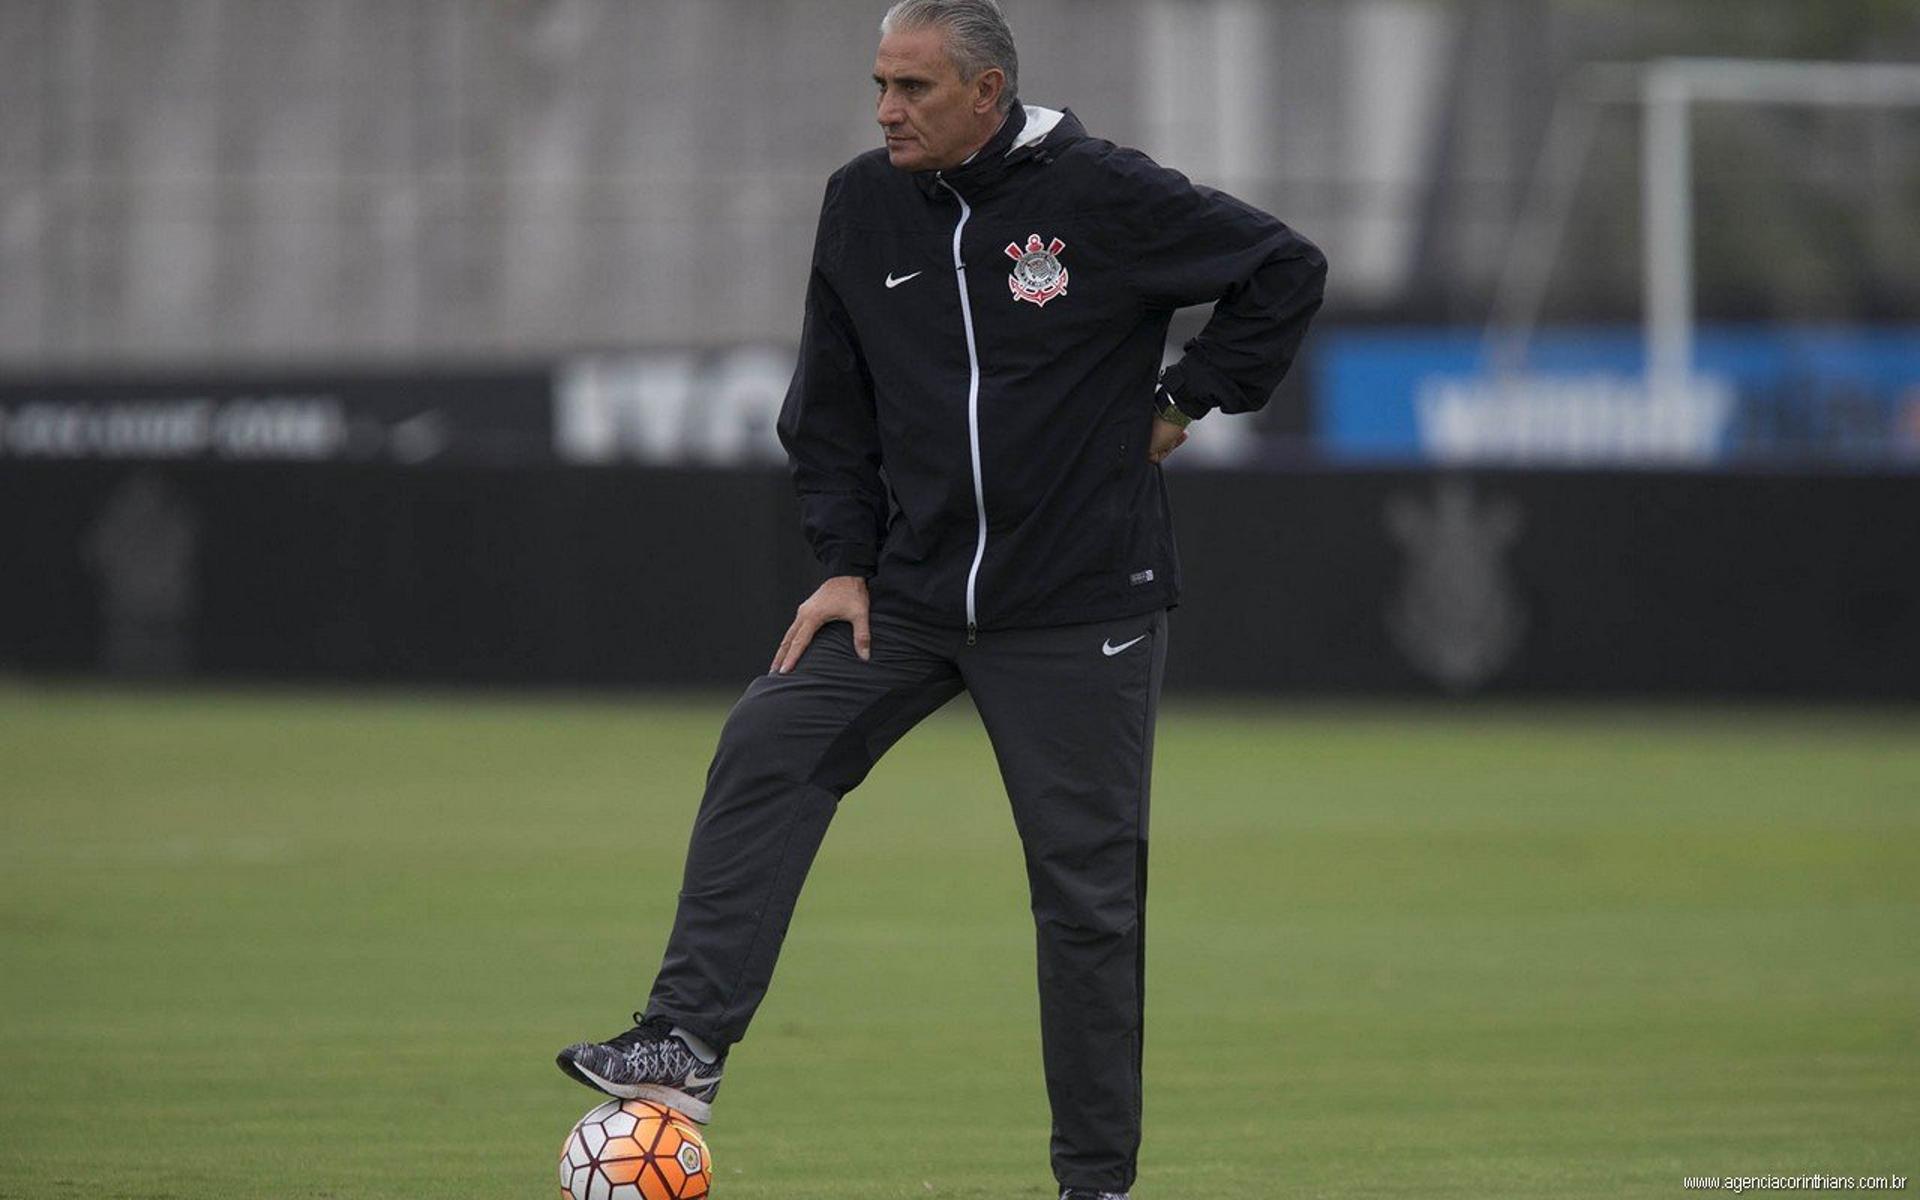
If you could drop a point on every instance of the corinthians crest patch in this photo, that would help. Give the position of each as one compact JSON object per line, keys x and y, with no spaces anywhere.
{"x":1038,"y":274}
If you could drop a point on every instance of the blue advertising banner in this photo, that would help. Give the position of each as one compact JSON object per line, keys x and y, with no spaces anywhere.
{"x":1759,"y":396}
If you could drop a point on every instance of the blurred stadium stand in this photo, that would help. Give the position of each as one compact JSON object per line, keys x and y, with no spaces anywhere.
{"x":220,"y":181}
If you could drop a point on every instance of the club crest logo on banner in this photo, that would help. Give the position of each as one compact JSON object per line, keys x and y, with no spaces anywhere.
{"x":1458,"y":616}
{"x":1038,"y":274}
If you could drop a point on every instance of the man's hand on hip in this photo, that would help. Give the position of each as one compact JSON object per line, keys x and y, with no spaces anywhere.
{"x":842,"y":598}
{"x":1167,"y":438}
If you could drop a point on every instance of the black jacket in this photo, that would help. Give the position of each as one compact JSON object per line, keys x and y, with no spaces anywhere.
{"x":969,"y":416}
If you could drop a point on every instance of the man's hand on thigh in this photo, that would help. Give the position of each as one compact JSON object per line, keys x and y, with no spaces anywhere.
{"x":842,"y":598}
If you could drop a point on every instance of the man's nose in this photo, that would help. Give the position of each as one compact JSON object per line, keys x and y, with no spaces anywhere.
{"x":888,"y":112}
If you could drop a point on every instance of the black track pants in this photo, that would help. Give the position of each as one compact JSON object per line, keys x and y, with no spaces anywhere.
{"x":1070,"y":711}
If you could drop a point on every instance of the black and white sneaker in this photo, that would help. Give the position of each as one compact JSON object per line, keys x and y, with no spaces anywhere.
{"x":1084,"y":1194}
{"x":648,"y":1062}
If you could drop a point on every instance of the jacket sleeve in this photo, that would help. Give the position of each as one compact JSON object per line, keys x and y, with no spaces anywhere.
{"x":829,"y":430}
{"x":1195,"y":245}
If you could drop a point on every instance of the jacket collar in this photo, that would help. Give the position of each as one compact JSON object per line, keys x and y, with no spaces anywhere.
{"x":1030,"y":133}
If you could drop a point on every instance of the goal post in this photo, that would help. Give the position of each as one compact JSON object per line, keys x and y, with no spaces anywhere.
{"x":1666,"y":92}
{"x":1669,"y":90}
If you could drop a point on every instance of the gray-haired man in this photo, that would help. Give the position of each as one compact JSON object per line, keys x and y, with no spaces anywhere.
{"x":988,"y":305}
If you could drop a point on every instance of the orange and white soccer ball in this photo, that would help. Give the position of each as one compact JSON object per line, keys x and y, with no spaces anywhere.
{"x":634,"y":1150}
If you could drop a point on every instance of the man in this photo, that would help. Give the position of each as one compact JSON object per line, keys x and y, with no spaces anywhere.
{"x":975,"y":432}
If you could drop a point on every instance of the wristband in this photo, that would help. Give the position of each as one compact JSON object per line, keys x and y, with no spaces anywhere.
{"x":1167,"y":410}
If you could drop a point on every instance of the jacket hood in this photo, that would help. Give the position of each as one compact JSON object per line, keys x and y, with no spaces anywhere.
{"x":1030,"y":134}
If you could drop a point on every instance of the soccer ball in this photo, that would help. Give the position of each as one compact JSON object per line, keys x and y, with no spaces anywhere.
{"x":634,"y":1150}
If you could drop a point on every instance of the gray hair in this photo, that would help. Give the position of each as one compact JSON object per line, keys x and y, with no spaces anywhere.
{"x":977,"y":36}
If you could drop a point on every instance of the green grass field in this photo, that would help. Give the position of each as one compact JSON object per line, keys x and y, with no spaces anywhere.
{"x":289,"y":945}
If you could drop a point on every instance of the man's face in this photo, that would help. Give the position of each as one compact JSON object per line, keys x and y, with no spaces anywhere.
{"x":932,"y":118}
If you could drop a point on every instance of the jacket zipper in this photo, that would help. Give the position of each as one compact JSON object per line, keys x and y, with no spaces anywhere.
{"x":973,"y":410}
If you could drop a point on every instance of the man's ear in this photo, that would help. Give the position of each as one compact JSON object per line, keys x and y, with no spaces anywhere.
{"x":987,"y":87}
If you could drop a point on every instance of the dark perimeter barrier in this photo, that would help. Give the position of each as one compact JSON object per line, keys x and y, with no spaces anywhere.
{"x":1307,"y":581}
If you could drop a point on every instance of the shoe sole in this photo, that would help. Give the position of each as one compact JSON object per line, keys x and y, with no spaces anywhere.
{"x":700,"y":1112}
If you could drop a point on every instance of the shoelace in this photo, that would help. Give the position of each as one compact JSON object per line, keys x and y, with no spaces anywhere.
{"x":645,"y":1029}
{"x":652,"y":1052}
{"x":649,"y":1050}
